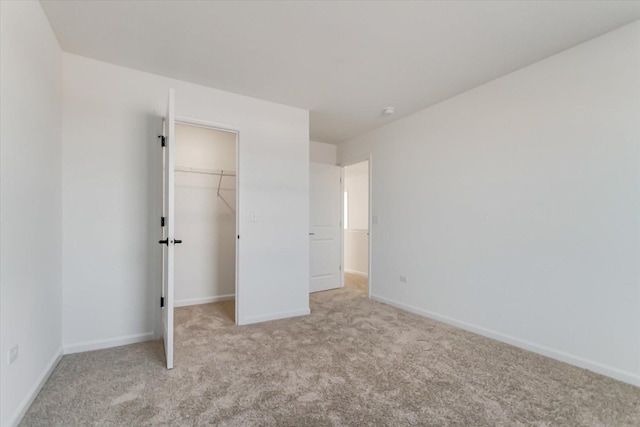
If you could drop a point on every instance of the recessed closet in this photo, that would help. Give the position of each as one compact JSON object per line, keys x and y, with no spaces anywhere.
{"x":205,"y":215}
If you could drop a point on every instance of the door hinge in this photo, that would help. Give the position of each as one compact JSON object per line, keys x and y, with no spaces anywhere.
{"x":162,"y":140}
{"x":161,"y":301}
{"x":162,"y":221}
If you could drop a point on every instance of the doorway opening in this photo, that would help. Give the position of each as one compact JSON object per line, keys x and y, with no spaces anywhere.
{"x":206,"y":221}
{"x":355,"y":242}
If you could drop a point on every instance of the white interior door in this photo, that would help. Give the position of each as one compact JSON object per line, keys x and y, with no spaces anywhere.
{"x":169,"y":237}
{"x":325,"y":195}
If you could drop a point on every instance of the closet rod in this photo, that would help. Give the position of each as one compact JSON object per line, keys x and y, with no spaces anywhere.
{"x":205,"y":171}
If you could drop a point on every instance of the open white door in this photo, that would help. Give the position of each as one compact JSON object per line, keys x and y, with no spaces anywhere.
{"x":169,"y":237}
{"x":325,"y":221}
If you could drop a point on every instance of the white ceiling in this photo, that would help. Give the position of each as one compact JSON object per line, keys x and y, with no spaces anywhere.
{"x":343,"y":61}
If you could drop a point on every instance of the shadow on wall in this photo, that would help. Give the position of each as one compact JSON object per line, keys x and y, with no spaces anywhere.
{"x":227,"y":235}
{"x":154,"y":210}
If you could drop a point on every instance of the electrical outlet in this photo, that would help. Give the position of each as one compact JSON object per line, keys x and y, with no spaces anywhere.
{"x":403,"y":279}
{"x":13,"y":354}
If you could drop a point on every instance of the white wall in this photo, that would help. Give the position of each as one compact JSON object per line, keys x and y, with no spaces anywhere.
{"x":30,"y":204}
{"x":112,"y":116}
{"x":356,"y":241}
{"x":321,"y":152}
{"x":513,"y":208}
{"x":356,"y":248}
{"x":205,"y":262}
{"x":356,"y":184}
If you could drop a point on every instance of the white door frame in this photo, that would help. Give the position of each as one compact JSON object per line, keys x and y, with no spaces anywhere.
{"x":344,"y":164}
{"x":233,"y":129}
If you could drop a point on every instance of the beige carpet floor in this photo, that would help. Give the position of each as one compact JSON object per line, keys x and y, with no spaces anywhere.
{"x":357,"y":283}
{"x":352,"y":362}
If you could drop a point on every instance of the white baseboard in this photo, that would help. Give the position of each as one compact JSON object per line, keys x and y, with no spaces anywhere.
{"x":627,"y":377}
{"x":106,"y":343}
{"x":24,"y":406}
{"x":205,"y":300}
{"x":356,"y":272}
{"x":274,"y":316}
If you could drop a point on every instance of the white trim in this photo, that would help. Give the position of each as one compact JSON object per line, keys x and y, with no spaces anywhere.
{"x":25,"y":404}
{"x":343,"y":180}
{"x":107,"y":343}
{"x":571,"y":359}
{"x":205,"y":300}
{"x":370,"y":239}
{"x":357,"y":273}
{"x":275,"y":316}
{"x":236,"y":288}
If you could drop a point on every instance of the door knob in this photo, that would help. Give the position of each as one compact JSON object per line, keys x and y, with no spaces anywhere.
{"x":166,"y":242}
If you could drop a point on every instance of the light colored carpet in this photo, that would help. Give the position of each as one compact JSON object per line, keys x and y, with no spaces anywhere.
{"x":357,"y":283}
{"x":353,"y":361}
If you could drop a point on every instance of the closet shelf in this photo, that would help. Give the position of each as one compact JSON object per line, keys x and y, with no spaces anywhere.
{"x":205,"y":171}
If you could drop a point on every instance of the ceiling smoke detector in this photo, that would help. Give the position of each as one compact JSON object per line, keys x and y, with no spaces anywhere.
{"x":387,"y":111}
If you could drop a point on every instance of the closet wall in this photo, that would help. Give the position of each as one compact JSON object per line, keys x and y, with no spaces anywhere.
{"x":321,"y":152}
{"x":205,"y":220}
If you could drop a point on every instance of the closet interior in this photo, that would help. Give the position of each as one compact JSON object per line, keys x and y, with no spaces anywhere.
{"x":205,"y":216}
